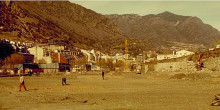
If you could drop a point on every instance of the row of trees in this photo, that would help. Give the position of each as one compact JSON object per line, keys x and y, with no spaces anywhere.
{"x":102,"y":63}
{"x":109,"y":63}
{"x":18,"y":59}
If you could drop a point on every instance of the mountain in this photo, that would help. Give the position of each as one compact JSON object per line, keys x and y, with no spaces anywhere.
{"x":57,"y":21}
{"x":166,"y":27}
{"x":74,"y":25}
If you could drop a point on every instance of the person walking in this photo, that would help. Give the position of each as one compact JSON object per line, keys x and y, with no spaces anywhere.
{"x":22,"y":83}
{"x":103,"y":74}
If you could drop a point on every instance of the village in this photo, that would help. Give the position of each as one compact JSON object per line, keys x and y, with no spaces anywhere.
{"x":56,"y":57}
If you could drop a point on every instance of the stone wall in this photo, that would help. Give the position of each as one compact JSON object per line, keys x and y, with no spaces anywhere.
{"x":212,"y":64}
{"x":184,"y":66}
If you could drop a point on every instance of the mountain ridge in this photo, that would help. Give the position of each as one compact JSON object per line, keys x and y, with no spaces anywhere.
{"x":167,"y":26}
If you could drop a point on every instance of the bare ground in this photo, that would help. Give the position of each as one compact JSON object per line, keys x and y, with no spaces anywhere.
{"x":126,"y":91}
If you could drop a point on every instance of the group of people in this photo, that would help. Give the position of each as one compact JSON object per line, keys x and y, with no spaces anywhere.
{"x":63,"y":81}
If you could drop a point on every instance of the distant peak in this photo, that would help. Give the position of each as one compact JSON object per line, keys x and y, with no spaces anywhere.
{"x":165,"y":13}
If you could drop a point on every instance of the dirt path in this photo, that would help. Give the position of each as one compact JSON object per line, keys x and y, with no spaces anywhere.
{"x":116,"y":92}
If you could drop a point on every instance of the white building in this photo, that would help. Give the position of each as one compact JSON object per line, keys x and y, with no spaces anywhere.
{"x":182,"y":53}
{"x":217,"y":46}
{"x":149,"y":60}
{"x":210,"y":49}
{"x":165,"y":56}
{"x":89,"y":53}
{"x":38,"y":53}
{"x":140,"y":58}
{"x":177,"y":54}
{"x":119,"y":56}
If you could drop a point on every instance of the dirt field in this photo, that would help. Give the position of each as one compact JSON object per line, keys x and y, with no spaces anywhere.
{"x":130,"y":91}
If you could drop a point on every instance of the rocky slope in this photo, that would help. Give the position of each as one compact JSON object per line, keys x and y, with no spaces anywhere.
{"x":58,"y":21}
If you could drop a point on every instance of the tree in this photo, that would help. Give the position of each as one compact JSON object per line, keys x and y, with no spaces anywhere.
{"x":101,"y":62}
{"x":5,"y":50}
{"x":153,"y":55}
{"x":42,"y":61}
{"x":54,"y":60}
{"x":15,"y":59}
{"x":109,"y":63}
{"x":146,"y":56}
{"x":119,"y":64}
{"x":83,"y":60}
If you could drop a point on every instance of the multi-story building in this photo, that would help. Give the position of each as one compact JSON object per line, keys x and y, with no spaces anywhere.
{"x":140,"y":58}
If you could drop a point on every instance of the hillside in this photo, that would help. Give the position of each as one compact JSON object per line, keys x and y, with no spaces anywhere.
{"x":165,"y":27}
{"x":74,"y":25}
{"x":57,"y":21}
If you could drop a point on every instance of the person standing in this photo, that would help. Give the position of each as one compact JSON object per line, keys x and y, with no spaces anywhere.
{"x":22,"y":83}
{"x":103,"y":74}
{"x":63,"y":81}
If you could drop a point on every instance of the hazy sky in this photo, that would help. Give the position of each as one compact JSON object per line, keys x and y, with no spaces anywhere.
{"x":208,"y":11}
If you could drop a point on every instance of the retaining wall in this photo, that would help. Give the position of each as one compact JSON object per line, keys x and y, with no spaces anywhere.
{"x":185,"y":66}
{"x":212,"y":64}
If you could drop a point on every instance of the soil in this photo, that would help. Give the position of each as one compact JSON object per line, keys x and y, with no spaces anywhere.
{"x":151,"y":91}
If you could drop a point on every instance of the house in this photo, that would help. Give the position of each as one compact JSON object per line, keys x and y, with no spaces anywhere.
{"x":92,"y":55}
{"x":39,"y":54}
{"x":95,"y":68}
{"x":89,"y":55}
{"x":28,"y":58}
{"x":59,"y":58}
{"x":119,"y":56}
{"x":165,"y":56}
{"x":106,"y":57}
{"x":54,"y":67}
{"x":50,"y":68}
{"x":217,"y":46}
{"x":78,"y":68}
{"x":210,"y":49}
{"x":140,"y":58}
{"x":25,"y":68}
{"x":29,"y":44}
